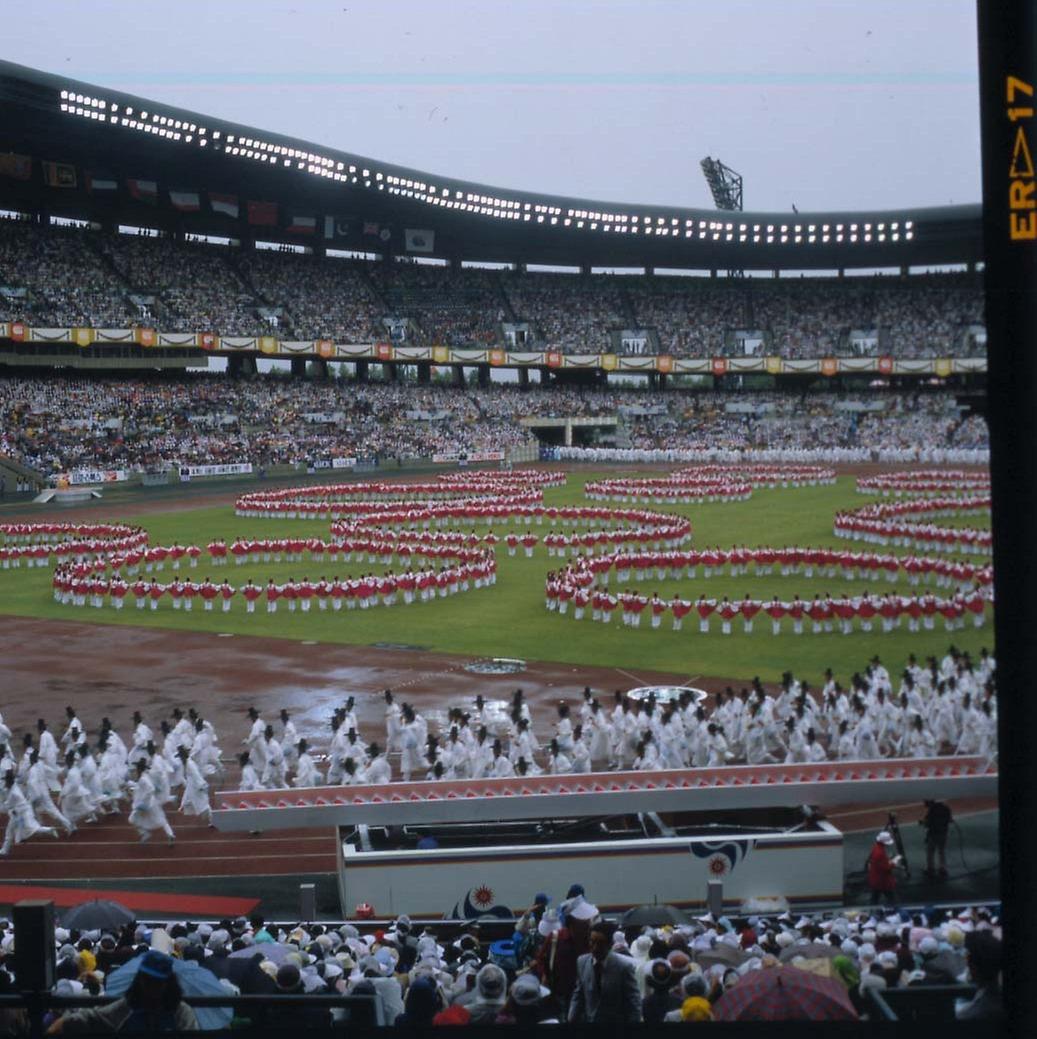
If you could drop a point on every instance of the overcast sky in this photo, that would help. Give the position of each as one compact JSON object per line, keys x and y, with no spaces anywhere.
{"x":824,"y":104}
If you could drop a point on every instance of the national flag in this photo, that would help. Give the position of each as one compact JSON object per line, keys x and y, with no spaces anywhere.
{"x":417,"y":240}
{"x":263,"y":213}
{"x":225,"y":204}
{"x":371,"y":228}
{"x":335,"y":227}
{"x":101,"y":182}
{"x":59,"y":175}
{"x":185,"y":201}
{"x":302,"y":225}
{"x":18,"y":167}
{"x":143,"y":190}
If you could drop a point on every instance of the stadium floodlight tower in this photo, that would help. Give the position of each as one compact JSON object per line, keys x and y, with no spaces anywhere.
{"x":724,"y":183}
{"x":726,"y":187}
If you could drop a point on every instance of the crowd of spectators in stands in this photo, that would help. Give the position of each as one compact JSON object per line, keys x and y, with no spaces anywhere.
{"x":322,"y":299}
{"x":571,"y":312}
{"x":65,"y":282}
{"x":563,"y":963}
{"x":447,"y":307}
{"x":690,"y":316}
{"x":802,"y":422}
{"x":58,"y":423}
{"x":196,"y":288}
{"x":84,"y":278}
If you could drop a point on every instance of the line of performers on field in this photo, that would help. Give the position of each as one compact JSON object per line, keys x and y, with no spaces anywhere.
{"x":824,"y":614}
{"x":78,"y":585}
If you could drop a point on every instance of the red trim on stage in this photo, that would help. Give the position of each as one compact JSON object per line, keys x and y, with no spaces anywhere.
{"x":192,"y":906}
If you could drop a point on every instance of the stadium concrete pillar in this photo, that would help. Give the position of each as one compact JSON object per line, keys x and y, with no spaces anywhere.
{"x":568,"y":433}
{"x":459,"y":375}
{"x":319,"y":368}
{"x":391,"y":372}
{"x":484,"y":376}
{"x":298,"y":367}
{"x":523,"y":378}
{"x":663,"y":377}
{"x":363,"y":371}
{"x":424,"y":374}
{"x":653,"y":381}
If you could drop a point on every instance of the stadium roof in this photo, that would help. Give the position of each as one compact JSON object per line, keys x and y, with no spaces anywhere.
{"x":117,"y":158}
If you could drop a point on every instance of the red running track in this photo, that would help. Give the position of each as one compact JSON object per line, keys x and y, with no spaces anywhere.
{"x":110,"y":849}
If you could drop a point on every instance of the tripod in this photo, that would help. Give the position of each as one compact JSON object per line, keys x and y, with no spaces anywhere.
{"x":898,"y":841}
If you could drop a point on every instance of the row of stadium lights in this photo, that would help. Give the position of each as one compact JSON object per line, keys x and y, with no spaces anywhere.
{"x":483,"y":205}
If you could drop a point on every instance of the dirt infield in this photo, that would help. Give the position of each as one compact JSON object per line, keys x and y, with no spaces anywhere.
{"x":114,"y":670}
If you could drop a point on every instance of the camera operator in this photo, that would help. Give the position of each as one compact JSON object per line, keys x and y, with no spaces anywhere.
{"x":937,"y":823}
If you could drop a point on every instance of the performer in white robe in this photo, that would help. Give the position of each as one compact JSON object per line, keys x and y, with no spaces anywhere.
{"x":48,"y":748}
{"x":195,"y":799}
{"x":146,"y":812}
{"x":273,"y":776}
{"x":255,"y":741}
{"x":38,"y":793}
{"x":160,"y":773}
{"x":111,"y":771}
{"x":249,"y":776}
{"x":21,"y":820}
{"x":289,"y":741}
{"x":75,"y":801}
{"x":306,"y":772}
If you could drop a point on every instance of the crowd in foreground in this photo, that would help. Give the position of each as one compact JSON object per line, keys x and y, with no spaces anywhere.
{"x":941,"y":707}
{"x":564,"y":963}
{"x":60,"y":423}
{"x":56,"y":278}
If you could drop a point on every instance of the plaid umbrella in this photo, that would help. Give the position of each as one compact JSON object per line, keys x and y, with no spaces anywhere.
{"x":728,"y":955}
{"x":785,"y":994}
{"x":811,"y":951}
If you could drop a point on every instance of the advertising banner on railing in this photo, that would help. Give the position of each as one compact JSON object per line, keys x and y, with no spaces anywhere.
{"x":413,"y":353}
{"x":469,"y":456}
{"x":117,"y":335}
{"x":189,"y":472}
{"x":333,"y":463}
{"x":81,"y":477}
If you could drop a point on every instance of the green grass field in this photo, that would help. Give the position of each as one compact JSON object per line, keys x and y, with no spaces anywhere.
{"x":510,"y":619}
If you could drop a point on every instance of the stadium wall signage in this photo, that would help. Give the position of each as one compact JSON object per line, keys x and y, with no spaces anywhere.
{"x":381,"y":353}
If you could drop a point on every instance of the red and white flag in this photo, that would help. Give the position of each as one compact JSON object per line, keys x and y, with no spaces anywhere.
{"x":185,"y":201}
{"x":225,"y":204}
{"x":143,"y":190}
{"x":302,"y":225}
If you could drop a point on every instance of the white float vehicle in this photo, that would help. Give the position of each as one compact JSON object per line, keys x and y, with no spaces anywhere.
{"x":467,"y":870}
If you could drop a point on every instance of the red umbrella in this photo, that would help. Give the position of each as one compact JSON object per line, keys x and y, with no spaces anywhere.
{"x":784,"y":994}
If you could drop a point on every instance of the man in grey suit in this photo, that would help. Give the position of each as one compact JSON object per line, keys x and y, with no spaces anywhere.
{"x":606,"y":987}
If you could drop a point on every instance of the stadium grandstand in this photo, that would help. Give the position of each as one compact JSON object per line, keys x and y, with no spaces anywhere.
{"x":155,"y":263}
{"x":141,"y":236}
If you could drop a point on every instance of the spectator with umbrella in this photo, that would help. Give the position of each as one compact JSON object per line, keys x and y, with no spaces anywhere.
{"x":153,"y":1002}
{"x":785,"y":994}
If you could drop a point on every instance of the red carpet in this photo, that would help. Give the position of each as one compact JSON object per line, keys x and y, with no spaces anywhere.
{"x":193,"y":907}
